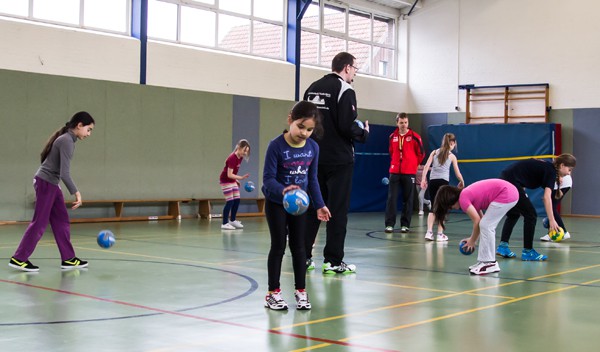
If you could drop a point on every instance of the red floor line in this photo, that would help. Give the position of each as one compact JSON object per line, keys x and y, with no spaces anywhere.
{"x":186,"y":315}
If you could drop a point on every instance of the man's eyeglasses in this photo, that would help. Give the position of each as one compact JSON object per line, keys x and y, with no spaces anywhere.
{"x":356,"y":68}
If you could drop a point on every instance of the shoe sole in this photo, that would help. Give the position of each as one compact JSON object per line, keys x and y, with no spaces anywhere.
{"x":23,"y":269}
{"x":65,"y":267}
{"x":534,"y":260}
{"x":480,"y":274}
{"x":267,"y":306}
{"x":331,"y":272}
{"x":507,"y":257}
{"x":304,"y":307}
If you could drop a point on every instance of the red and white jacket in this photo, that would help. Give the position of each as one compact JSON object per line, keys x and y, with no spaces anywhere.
{"x":406,"y":152}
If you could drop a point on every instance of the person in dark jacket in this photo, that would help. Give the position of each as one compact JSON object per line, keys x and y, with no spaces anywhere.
{"x":334,"y":96}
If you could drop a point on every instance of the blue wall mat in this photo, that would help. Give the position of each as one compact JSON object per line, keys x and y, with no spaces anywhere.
{"x":496,"y":141}
{"x":372,"y":162}
{"x":586,"y":144}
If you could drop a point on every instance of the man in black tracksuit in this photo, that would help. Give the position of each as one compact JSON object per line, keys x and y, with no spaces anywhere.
{"x":336,"y":100}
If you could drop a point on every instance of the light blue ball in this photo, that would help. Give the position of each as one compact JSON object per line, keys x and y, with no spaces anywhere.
{"x":360,"y":123}
{"x":249,"y":186}
{"x":296,"y":202}
{"x":106,"y":239}
{"x":385,"y":181}
{"x":546,"y":223}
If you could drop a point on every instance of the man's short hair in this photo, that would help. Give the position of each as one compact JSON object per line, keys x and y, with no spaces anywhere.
{"x":401,"y":115}
{"x":341,"y":60}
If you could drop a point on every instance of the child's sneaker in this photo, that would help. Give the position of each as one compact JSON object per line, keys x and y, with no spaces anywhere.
{"x":73,"y":263}
{"x":441,"y":237}
{"x":504,"y":251}
{"x":546,"y":238}
{"x":237,"y":224}
{"x":227,"y":226}
{"x":404,"y":229}
{"x":389,"y":229}
{"x":274,"y":301}
{"x":483,"y":268}
{"x":429,"y":236}
{"x":23,"y":266}
{"x":421,"y":213}
{"x":530,"y":255}
{"x":310,"y":264}
{"x":302,"y":302}
{"x":343,"y":268}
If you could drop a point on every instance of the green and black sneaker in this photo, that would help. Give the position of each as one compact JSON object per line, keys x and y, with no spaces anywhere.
{"x":23,"y":266}
{"x":73,"y":263}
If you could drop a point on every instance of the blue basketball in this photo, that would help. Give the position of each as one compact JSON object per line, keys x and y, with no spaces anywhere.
{"x":385,"y":181}
{"x":546,"y":223}
{"x":296,"y":201}
{"x":106,"y":239}
{"x":464,"y":250}
{"x":249,"y":186}
{"x":360,"y":123}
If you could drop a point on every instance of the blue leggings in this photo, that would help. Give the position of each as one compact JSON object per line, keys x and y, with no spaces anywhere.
{"x":231,"y":207}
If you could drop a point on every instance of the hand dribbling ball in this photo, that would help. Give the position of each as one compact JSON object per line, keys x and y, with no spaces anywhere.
{"x":464,"y":250}
{"x":557,"y":236}
{"x":546,"y":223}
{"x":106,"y":239}
{"x":296,"y":201}
{"x":385,"y":181}
{"x":249,"y":186}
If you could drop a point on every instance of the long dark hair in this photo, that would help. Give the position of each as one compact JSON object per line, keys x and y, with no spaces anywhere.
{"x":445,"y":150}
{"x":81,"y":117}
{"x":445,"y":198}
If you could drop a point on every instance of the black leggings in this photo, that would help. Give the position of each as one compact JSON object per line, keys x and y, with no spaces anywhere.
{"x":281,"y":226}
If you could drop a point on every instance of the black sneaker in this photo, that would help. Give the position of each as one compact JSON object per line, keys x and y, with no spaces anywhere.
{"x":73,"y":263}
{"x":23,"y":266}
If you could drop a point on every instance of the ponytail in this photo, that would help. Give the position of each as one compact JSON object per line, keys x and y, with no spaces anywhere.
{"x":81,"y":117}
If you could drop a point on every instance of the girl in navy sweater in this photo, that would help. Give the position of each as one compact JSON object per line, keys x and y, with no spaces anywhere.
{"x":291,"y":163}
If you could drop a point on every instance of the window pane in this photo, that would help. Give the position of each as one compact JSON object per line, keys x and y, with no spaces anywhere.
{"x":383,"y":61}
{"x":359,"y":25}
{"x":383,"y":30}
{"x":198,"y":26}
{"x":330,"y":46}
{"x":334,"y":18}
{"x":311,"y":17}
{"x":238,"y":6}
{"x":15,"y":7}
{"x":234,"y":33}
{"x":267,"y":40}
{"x":269,"y":9}
{"x":362,"y":53}
{"x":210,"y":2}
{"x":310,"y":46}
{"x":106,"y":14}
{"x":65,"y":11}
{"x":162,"y":20}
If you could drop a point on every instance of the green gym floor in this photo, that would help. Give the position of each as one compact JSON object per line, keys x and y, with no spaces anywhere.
{"x":187,"y":286}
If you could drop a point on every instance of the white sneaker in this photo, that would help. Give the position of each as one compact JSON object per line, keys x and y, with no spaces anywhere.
{"x":441,"y":237}
{"x":227,"y":226}
{"x":237,"y":224}
{"x":302,"y":302}
{"x":429,"y":236}
{"x":546,"y":238}
{"x":483,"y":268}
{"x":274,"y":301}
{"x":421,"y":213}
{"x":389,"y":229}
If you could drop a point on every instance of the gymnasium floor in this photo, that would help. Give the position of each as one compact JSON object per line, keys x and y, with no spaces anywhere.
{"x":187,"y":286}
